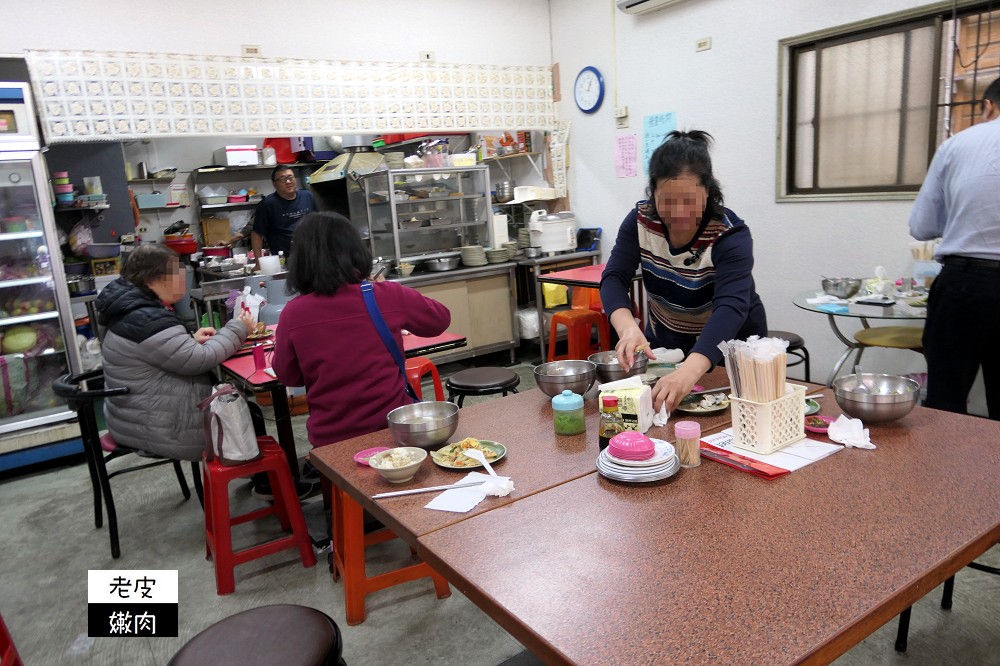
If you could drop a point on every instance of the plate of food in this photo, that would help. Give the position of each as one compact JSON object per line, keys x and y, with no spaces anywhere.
{"x":811,"y":407}
{"x":361,"y":457}
{"x":259,"y":332}
{"x":819,"y":423}
{"x":706,"y":403}
{"x":450,"y":456}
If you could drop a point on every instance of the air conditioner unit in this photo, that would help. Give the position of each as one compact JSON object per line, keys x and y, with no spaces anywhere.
{"x":643,"y":6}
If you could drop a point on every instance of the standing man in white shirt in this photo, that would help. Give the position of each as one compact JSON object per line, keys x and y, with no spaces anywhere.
{"x":959,"y":202}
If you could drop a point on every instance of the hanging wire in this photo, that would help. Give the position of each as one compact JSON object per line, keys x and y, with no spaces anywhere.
{"x":989,"y":34}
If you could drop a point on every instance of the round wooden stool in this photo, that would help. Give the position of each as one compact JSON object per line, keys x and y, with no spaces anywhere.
{"x":481,"y":381}
{"x":280,"y":634}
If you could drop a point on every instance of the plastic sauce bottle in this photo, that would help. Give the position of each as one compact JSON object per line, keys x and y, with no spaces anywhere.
{"x":567,"y":414}
{"x":611,"y":422}
{"x":281,"y":258}
{"x":688,"y":444}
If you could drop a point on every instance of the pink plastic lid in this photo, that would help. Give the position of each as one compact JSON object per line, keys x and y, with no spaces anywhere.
{"x":687,"y":430}
{"x":631,"y":445}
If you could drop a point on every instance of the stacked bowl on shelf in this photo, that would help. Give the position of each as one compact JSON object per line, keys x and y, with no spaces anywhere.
{"x":496,"y":255}
{"x":63,"y":188}
{"x":473,"y":255}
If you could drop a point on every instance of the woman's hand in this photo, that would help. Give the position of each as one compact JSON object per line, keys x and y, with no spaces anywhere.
{"x":203,"y":334}
{"x":630,"y":344}
{"x":247,"y":320}
{"x":673,"y":388}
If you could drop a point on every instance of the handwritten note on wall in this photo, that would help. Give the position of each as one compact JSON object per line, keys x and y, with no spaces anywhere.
{"x":654,"y":129}
{"x":625,"y":156}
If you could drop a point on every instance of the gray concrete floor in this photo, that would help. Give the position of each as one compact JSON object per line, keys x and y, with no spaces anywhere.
{"x":49,"y":542}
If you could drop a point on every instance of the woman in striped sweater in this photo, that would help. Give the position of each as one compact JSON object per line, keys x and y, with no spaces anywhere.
{"x":696,"y":258}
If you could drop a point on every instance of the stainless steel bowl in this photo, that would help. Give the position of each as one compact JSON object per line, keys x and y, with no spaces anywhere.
{"x":841,"y":287}
{"x":423,"y":424}
{"x":442,"y":264}
{"x":890,"y":397}
{"x":558,"y":376}
{"x":609,"y":369}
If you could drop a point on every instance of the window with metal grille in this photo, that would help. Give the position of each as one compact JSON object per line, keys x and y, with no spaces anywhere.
{"x":866,"y":105}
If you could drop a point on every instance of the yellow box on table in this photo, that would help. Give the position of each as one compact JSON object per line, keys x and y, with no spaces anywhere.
{"x":765,"y":427}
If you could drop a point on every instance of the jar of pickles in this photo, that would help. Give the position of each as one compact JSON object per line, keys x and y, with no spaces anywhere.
{"x":567,"y":414}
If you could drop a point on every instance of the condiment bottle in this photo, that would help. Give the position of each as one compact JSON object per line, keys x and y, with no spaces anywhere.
{"x":567,"y":413}
{"x":281,"y":258}
{"x":688,"y":444}
{"x":611,"y":422}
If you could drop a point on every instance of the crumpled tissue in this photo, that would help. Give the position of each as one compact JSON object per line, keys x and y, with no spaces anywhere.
{"x":850,"y":432}
{"x":462,"y":500}
{"x":823,"y":298}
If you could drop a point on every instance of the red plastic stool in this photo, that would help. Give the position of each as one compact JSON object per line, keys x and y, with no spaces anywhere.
{"x":219,"y":522}
{"x":419,"y":366}
{"x":8,"y":653}
{"x":578,"y":324}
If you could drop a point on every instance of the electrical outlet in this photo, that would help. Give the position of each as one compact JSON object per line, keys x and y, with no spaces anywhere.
{"x":621,"y":123}
{"x":621,"y":112}
{"x":703,"y":44}
{"x":426,"y":56}
{"x":251,"y":50}
{"x":142,"y":229}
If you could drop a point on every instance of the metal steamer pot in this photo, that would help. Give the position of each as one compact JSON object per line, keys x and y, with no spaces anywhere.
{"x":81,"y":285}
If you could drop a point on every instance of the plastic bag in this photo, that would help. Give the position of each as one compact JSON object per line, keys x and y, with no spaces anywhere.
{"x":229,"y":434}
{"x":248,"y":302}
{"x":80,"y":238}
{"x":554,"y":294}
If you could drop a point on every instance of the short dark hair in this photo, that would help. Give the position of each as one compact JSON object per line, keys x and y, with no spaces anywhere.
{"x":278,"y":169}
{"x":992,"y":93}
{"x":149,"y":262}
{"x":327,"y":253}
{"x":685,"y":153}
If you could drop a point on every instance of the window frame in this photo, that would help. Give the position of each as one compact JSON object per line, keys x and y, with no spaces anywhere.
{"x":928,"y":15}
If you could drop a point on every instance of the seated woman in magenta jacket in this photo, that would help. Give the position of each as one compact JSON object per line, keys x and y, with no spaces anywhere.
{"x":326,"y":340}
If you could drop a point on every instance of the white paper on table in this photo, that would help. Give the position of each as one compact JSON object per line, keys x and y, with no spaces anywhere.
{"x":792,"y":457}
{"x":461,"y":500}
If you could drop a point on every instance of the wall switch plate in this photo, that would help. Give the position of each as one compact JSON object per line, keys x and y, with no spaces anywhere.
{"x":621,"y":112}
{"x":251,"y":50}
{"x":621,"y":123}
{"x":703,"y":44}
{"x":426,"y":56}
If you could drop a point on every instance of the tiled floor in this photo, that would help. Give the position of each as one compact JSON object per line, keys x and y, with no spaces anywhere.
{"x":48,"y":542}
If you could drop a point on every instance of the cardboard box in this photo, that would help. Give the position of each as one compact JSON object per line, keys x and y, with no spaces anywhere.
{"x":215,"y":230}
{"x":240,"y":155}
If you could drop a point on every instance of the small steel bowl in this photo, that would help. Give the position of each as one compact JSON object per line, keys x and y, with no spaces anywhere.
{"x":891,"y":397}
{"x":841,"y":287}
{"x":609,"y":369}
{"x":423,"y":424}
{"x":555,"y":377}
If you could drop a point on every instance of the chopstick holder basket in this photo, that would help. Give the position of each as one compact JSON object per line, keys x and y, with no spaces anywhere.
{"x":764,"y":427}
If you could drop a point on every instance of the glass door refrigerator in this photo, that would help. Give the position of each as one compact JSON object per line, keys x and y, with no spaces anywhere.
{"x":37,"y":331}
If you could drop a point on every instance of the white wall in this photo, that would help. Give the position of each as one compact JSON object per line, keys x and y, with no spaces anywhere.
{"x":650,"y":64}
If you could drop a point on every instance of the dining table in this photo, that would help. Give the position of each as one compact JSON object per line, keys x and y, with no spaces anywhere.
{"x":900,"y":313}
{"x":713,"y":565}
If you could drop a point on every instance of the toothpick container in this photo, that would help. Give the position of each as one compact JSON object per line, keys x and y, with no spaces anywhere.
{"x":764,"y":427}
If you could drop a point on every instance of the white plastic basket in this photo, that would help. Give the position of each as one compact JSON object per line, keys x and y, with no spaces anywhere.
{"x":767,"y":426}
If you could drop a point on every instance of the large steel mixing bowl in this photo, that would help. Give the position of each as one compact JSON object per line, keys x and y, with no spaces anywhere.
{"x":889,"y":397}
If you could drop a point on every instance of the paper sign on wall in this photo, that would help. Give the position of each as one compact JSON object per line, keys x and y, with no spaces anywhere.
{"x":654,"y":129}
{"x":625,"y":152}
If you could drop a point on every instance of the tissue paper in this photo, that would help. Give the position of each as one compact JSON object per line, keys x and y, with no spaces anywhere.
{"x":850,"y":432}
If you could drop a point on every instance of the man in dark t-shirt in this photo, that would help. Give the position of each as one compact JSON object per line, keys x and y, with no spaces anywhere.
{"x":277,"y":215}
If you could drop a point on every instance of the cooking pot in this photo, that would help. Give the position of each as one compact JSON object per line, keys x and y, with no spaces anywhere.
{"x":223,"y":251}
{"x":81,"y":285}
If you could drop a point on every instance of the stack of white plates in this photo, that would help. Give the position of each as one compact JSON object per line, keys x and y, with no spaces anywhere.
{"x":473,"y":255}
{"x":523,"y":239}
{"x":662,"y":465}
{"x":496,"y":256}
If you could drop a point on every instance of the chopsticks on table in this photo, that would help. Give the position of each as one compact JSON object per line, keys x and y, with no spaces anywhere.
{"x":429,"y":489}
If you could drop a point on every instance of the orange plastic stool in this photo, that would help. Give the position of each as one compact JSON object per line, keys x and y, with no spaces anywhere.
{"x":578,"y":324}
{"x":219,"y":522}
{"x":419,"y":366}
{"x":349,"y":543}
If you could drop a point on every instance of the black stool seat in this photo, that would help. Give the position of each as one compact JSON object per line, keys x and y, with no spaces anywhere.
{"x":481,"y":381}
{"x":796,"y":347}
{"x":281,"y":634}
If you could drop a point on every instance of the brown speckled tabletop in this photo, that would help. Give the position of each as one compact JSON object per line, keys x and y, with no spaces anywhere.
{"x":719,"y":566}
{"x":536,"y":458}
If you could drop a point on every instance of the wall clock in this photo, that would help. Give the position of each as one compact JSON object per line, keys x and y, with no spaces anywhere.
{"x":588,"y":91}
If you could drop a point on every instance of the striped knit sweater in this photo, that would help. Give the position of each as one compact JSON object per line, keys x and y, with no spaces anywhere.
{"x":700,"y":294}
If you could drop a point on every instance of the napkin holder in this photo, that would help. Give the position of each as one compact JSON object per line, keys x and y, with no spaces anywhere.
{"x":765,"y":427}
{"x":635,"y":402}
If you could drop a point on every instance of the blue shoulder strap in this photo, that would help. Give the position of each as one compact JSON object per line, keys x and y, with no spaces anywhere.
{"x":368,"y":293}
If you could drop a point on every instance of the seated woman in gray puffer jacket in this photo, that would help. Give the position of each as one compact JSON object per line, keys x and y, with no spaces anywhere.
{"x":147,"y":349}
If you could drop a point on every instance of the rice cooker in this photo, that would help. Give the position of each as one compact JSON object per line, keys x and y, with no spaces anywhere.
{"x":553,"y":232}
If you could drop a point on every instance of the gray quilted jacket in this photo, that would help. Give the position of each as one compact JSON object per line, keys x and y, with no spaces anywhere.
{"x":147,"y":349}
